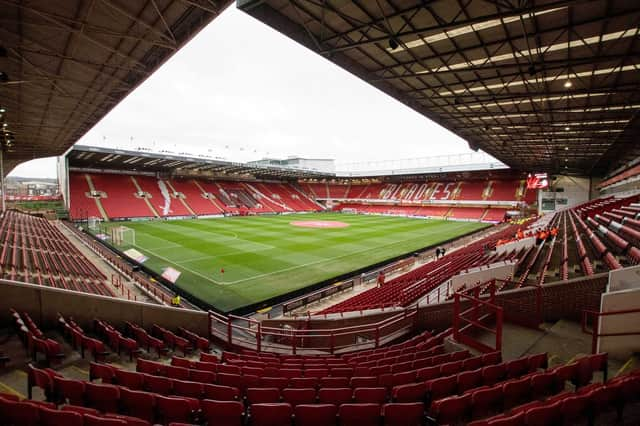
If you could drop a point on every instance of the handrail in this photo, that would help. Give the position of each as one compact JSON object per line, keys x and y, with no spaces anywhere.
{"x":475,"y":309}
{"x":595,"y":334}
{"x":293,"y":340}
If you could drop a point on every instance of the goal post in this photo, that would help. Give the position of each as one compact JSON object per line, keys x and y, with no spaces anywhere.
{"x":123,"y":236}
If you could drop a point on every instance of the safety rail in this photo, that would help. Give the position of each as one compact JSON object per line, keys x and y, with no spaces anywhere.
{"x":248,"y":333}
{"x":480,"y":310}
{"x":595,"y":333}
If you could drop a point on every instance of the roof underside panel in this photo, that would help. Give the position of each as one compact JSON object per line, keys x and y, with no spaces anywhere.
{"x":70,"y":62}
{"x":541,"y":85}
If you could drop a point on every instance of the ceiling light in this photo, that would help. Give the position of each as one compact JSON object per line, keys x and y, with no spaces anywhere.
{"x":4,"y":124}
{"x":2,"y":110}
{"x":566,"y":129}
{"x":566,"y":148}
{"x":568,"y":84}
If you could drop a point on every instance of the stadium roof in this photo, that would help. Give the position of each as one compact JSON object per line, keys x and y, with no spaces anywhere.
{"x":68,"y":63}
{"x":542,"y":85}
{"x":178,"y":164}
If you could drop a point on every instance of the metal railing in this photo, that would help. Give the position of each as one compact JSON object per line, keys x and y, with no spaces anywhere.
{"x":475,"y":318}
{"x":595,"y":333}
{"x":248,"y":333}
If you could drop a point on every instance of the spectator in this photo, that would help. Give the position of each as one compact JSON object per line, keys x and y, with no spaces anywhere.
{"x":437,"y":252}
{"x":381,"y":279}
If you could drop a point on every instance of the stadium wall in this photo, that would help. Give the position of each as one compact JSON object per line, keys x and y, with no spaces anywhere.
{"x":44,"y":303}
{"x":575,"y":190}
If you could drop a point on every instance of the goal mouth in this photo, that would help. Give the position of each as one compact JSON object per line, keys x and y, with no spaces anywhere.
{"x":324,"y":224}
{"x":123,"y":236}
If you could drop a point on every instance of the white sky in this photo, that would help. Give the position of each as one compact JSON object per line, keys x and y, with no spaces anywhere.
{"x":246,"y":91}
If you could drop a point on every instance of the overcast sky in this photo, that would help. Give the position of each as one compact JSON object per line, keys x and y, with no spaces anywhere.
{"x":245,"y":91}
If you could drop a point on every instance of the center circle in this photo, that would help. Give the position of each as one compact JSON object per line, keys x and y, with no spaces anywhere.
{"x":319,"y":224}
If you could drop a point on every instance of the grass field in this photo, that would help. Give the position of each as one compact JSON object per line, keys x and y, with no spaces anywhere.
{"x":266,"y":256}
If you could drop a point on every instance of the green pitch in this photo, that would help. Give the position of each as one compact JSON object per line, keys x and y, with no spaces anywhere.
{"x":265,"y":256}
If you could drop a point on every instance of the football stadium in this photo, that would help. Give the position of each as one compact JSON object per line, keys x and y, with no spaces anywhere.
{"x":179,"y":287}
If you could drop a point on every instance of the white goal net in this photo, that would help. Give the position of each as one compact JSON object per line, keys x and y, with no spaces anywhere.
{"x":123,"y":236}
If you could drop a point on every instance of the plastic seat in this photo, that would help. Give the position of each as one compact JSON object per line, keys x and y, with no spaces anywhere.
{"x":336,"y":396}
{"x":220,"y":393}
{"x":549,"y":414}
{"x":516,"y":392}
{"x":299,"y":396}
{"x":376,"y":395}
{"x":222,"y":413}
{"x":473,"y":363}
{"x":492,"y":374}
{"x":129,"y":421}
{"x":104,"y":372}
{"x":442,"y":387}
{"x":469,"y":380}
{"x":575,"y":407}
{"x":151,"y":367}
{"x":103,"y":397}
{"x":486,"y":401}
{"x":364,"y":382}
{"x":359,"y":414}
{"x":341,"y":372}
{"x":80,"y":410}
{"x":315,"y":414}
{"x":274,"y":382}
{"x":517,"y":367}
{"x":403,"y":378}
{"x":334,"y":382}
{"x":15,"y":413}
{"x":537,"y":361}
{"x":492,"y":358}
{"x":451,"y":410}
{"x":174,"y":409}
{"x":543,"y":384}
{"x":403,"y":414}
{"x":157,"y":384}
{"x":316,"y":372}
{"x":262,"y":395}
{"x":303,"y":382}
{"x":202,"y":376}
{"x":277,"y":414}
{"x":90,"y":420}
{"x":179,"y":373}
{"x":428,"y":373}
{"x":186,"y":388}
{"x":130,"y":379}
{"x":229,"y":369}
{"x":50,"y":417}
{"x":42,"y":378}
{"x":206,"y":366}
{"x":69,"y":390}
{"x":138,"y":403}
{"x":450,"y":368}
{"x":413,"y":392}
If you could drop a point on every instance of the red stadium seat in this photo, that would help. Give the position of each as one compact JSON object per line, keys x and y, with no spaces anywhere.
{"x":174,"y":409}
{"x":370,"y":395}
{"x":263,"y":395}
{"x":336,"y":396}
{"x":129,"y":379}
{"x":90,"y":420}
{"x":315,"y":414}
{"x":278,"y":414}
{"x":299,"y":396}
{"x":221,"y":393}
{"x":222,"y":413}
{"x":50,"y":417}
{"x":451,"y":410}
{"x":103,"y":397}
{"x":359,"y":414}
{"x":69,"y":390}
{"x":403,"y":414}
{"x":138,"y":403}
